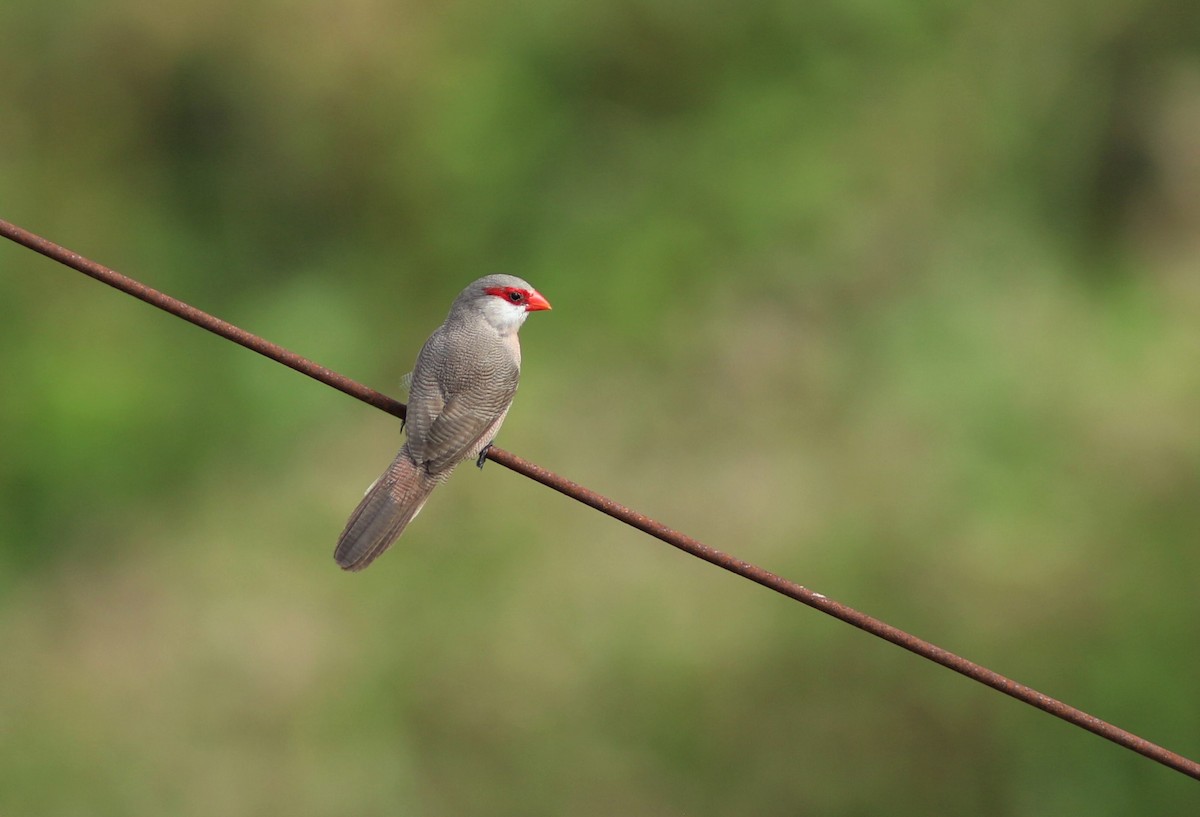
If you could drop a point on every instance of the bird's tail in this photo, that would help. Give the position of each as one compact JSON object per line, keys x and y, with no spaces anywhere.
{"x":390,"y":504}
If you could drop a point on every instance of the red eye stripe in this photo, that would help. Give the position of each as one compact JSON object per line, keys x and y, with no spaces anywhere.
{"x":511,"y":294}
{"x":531,"y":299}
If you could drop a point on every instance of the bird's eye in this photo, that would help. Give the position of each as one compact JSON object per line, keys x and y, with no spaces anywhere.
{"x":515,"y":296}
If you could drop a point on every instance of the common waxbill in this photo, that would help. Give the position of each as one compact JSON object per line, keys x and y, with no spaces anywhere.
{"x":461,"y":388}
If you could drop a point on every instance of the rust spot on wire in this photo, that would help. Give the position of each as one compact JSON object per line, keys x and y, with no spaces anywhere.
{"x":618,"y":511}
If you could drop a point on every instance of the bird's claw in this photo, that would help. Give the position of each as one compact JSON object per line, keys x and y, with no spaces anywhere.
{"x":483,"y":456}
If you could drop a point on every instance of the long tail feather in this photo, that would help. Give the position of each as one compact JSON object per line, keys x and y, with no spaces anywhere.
{"x":391,"y":503}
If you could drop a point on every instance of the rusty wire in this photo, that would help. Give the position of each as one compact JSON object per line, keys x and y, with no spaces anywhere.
{"x":625,"y":514}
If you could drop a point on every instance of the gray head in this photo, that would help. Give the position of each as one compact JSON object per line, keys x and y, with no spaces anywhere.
{"x":504,"y":301}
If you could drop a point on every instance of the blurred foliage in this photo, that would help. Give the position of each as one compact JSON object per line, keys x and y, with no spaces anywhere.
{"x":899,"y":300}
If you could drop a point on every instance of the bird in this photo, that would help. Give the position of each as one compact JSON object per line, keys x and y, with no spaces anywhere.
{"x":460,"y":391}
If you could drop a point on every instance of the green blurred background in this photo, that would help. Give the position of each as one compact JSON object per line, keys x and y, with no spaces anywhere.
{"x":899,"y":300}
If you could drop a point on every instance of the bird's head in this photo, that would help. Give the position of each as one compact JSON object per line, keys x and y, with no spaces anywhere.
{"x":504,"y":301}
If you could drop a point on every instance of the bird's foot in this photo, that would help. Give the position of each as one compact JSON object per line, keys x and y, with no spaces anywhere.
{"x":483,"y":456}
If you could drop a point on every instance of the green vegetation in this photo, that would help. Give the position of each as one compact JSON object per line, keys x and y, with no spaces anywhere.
{"x":901,"y":301}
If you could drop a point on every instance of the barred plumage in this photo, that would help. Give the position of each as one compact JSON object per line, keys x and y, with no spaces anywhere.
{"x":461,"y":388}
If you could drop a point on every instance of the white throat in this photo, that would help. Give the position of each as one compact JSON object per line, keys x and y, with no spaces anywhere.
{"x":504,"y":317}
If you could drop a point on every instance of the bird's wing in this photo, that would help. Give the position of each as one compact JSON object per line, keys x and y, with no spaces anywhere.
{"x":462,"y":428}
{"x":424,"y":405}
{"x":458,"y":397}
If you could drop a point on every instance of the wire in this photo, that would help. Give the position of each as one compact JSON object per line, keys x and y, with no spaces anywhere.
{"x":614,"y":509}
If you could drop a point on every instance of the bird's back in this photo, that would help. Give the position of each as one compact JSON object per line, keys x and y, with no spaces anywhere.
{"x":463,"y":383}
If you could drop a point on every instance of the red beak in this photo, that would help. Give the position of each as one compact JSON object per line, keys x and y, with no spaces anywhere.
{"x":536,"y":302}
